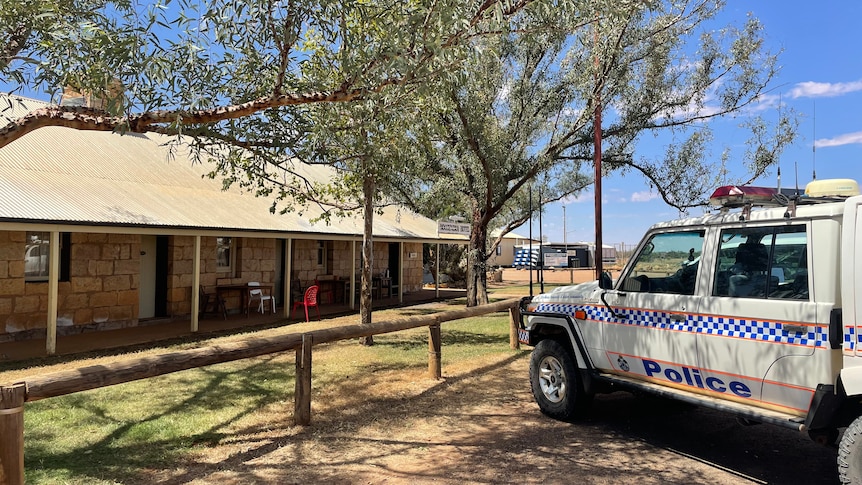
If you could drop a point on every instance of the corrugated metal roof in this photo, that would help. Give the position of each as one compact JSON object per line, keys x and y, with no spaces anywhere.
{"x":57,"y":175}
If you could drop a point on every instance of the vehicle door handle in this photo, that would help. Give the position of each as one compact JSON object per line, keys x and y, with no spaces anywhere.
{"x":794,"y":328}
{"x":677,"y":317}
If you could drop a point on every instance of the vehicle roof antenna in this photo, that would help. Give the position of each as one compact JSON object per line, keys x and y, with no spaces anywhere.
{"x":778,"y":189}
{"x":778,"y":162}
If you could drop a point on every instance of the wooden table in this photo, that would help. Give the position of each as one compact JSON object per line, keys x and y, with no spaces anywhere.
{"x":338,"y":288}
{"x":243,"y":292}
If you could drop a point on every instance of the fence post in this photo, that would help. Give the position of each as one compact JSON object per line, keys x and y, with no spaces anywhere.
{"x":514,"y":324}
{"x":434,"y":351}
{"x":12,"y":433}
{"x":302,"y":392}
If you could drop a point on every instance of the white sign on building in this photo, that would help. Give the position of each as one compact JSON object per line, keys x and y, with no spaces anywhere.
{"x":445,"y":227}
{"x":556,"y":259}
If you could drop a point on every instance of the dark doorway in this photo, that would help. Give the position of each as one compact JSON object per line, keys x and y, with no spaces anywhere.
{"x":394,"y":266}
{"x":161,"y":306}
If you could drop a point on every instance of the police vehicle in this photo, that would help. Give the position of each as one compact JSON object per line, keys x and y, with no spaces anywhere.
{"x":755,"y":309}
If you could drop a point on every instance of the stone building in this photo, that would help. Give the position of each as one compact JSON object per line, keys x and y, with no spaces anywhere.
{"x":101,"y":230}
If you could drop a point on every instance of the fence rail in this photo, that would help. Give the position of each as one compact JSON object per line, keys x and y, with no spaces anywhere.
{"x":13,"y":396}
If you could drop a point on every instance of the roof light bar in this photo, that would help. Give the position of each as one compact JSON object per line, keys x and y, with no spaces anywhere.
{"x":731,"y":196}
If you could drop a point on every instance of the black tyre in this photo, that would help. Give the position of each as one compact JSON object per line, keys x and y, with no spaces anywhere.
{"x":850,"y":454}
{"x":555,"y":381}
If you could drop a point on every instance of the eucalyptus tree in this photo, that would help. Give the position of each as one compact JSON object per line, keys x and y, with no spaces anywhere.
{"x":522,"y":114}
{"x":369,"y":143}
{"x":221,"y":67}
{"x":239,"y":80}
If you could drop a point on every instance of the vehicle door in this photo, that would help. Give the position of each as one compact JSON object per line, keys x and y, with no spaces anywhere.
{"x":759,"y":327}
{"x":650,"y":330}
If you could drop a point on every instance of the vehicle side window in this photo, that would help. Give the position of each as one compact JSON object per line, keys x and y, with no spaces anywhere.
{"x":667,"y":263}
{"x":763,"y":262}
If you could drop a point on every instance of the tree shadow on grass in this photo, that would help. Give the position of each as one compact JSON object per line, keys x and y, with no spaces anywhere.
{"x":134,"y":444}
{"x":149,"y":441}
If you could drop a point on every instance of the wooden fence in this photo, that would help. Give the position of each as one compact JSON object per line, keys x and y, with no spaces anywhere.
{"x":13,"y":397}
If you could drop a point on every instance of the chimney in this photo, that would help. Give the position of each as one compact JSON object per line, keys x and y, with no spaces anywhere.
{"x":109,"y":99}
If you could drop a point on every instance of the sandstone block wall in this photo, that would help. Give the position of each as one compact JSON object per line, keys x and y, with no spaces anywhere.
{"x":102,"y":290}
{"x":104,"y":277}
{"x":254,"y":260}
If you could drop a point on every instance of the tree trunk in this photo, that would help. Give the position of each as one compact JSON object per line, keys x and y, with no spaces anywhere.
{"x":368,"y":186}
{"x":477,"y":267}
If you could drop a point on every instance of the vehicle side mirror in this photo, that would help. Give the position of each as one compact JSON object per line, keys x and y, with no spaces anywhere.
{"x":605,"y":281}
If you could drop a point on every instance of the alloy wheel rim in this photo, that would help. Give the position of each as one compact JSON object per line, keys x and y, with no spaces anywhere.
{"x":552,"y":379}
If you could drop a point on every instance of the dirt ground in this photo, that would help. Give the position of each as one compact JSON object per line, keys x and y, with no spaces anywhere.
{"x":480,"y":425}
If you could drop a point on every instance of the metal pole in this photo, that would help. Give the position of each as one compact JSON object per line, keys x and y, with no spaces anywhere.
{"x":541,"y":258}
{"x":566,"y":245}
{"x":597,"y":157}
{"x":530,"y":255}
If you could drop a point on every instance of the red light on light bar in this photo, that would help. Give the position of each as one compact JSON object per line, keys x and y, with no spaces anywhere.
{"x":736,"y":196}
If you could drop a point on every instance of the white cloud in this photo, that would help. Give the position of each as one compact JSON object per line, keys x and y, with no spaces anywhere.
{"x":811,"y":89}
{"x":585,"y":196}
{"x":643,"y":196}
{"x":766,"y":102}
{"x":845,"y":139}
{"x":692,"y":111}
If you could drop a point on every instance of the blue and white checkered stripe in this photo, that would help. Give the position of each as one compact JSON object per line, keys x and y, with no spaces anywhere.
{"x":852,"y":339}
{"x":600,"y":314}
{"x":750,"y":329}
{"x":762,"y":330}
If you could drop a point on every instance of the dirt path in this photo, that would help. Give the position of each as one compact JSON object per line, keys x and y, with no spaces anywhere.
{"x":480,"y":425}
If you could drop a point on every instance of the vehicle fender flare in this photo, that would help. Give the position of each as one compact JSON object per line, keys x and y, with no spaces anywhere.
{"x":569,"y":327}
{"x":851,"y":380}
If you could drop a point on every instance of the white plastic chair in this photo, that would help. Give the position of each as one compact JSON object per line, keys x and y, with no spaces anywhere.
{"x":257,"y":294}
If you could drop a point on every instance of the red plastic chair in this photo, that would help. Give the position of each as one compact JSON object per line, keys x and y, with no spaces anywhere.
{"x":309,"y":300}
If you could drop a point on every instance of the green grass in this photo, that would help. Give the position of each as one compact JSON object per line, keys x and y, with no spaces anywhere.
{"x":112,"y":432}
{"x":108,"y":435}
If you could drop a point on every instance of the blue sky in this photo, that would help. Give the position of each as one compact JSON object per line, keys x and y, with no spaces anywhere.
{"x":820,"y":46}
{"x":820,"y":78}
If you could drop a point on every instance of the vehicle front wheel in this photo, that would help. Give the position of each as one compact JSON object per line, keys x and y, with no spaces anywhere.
{"x":850,"y":454}
{"x":555,"y":381}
